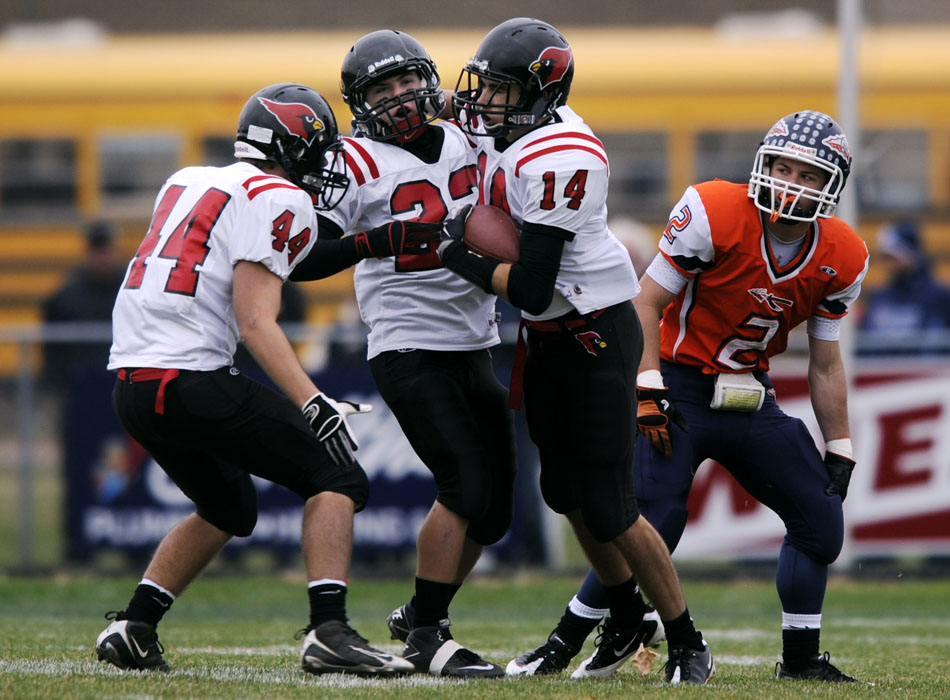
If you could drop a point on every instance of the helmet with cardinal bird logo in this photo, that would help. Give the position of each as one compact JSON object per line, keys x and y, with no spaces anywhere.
{"x":292,"y":126}
{"x":522,"y":52}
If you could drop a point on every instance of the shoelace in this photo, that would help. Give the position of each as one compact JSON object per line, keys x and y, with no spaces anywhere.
{"x":349,"y":632}
{"x":828,"y":669}
{"x":679,"y":658}
{"x":605,"y":634}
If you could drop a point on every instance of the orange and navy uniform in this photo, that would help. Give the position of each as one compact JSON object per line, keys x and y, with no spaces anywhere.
{"x":739,"y":303}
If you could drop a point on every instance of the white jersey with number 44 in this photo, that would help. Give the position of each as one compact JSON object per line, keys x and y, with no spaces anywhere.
{"x":174,"y":309}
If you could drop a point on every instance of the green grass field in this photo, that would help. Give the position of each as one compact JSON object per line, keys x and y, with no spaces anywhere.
{"x":233,"y":638}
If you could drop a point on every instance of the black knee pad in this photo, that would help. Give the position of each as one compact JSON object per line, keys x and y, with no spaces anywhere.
{"x":605,"y":525}
{"x":557,"y":491}
{"x":492,"y":526}
{"x":350,"y":481}
{"x":470,"y":504}
{"x":235,"y":512}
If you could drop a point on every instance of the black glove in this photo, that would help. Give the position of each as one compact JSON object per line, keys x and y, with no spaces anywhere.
{"x":654,"y":413}
{"x":327,"y":419}
{"x":839,"y":470}
{"x":397,"y":238}
{"x":453,"y":230}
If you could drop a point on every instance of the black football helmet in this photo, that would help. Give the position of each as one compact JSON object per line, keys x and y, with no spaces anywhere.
{"x":383,"y":54}
{"x":525,"y":52}
{"x":811,"y":137}
{"x":293,"y":126}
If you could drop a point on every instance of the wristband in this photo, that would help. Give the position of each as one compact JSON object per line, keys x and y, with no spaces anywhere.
{"x":841,"y":446}
{"x":650,"y":379}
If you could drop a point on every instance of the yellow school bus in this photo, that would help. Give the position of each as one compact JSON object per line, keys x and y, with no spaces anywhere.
{"x":92,"y":130}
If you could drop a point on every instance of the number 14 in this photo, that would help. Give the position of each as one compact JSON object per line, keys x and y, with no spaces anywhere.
{"x":574,"y":190}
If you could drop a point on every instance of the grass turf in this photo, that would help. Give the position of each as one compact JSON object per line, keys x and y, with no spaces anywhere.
{"x":233,"y":638}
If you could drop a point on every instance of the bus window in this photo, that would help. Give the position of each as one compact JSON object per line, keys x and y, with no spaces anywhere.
{"x":133,"y":169}
{"x":217,"y":150}
{"x":893,"y":175}
{"x":639,"y":173}
{"x":37,"y":178}
{"x":727,"y":155}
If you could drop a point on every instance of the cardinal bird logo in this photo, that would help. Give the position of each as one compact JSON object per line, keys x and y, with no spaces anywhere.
{"x":551,"y":65}
{"x":299,"y":119}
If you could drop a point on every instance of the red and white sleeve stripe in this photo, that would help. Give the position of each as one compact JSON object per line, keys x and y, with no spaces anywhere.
{"x":557,"y":143}
{"x":262,"y":183}
{"x":359,"y":162}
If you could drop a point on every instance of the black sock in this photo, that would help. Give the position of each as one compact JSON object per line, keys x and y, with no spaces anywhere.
{"x":681,"y":632}
{"x":148,"y":604}
{"x":327,"y":602}
{"x":626,"y":604}
{"x":574,"y":629}
{"x":799,"y":646}
{"x":431,"y":601}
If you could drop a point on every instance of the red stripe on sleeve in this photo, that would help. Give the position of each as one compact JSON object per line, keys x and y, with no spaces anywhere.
{"x":568,"y":135}
{"x":254,"y":191}
{"x":367,"y":158}
{"x":354,"y":169}
{"x":554,"y":149}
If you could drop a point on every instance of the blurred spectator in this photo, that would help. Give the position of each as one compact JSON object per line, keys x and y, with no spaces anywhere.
{"x":637,"y":238}
{"x":87,"y":295}
{"x":910,"y":313}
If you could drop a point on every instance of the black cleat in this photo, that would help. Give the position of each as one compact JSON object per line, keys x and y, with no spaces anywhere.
{"x":433,"y":650}
{"x":335,"y":647}
{"x":817,"y":669}
{"x":688,"y":666}
{"x":551,"y":657}
{"x":131,"y":645}
{"x":400,"y":622}
{"x":615,"y":645}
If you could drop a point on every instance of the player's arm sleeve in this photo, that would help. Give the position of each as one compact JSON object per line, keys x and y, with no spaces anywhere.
{"x":331,"y":253}
{"x":687,"y":240}
{"x":665,"y":274}
{"x":531,"y":279}
{"x":823,"y":328}
{"x":837,"y":303}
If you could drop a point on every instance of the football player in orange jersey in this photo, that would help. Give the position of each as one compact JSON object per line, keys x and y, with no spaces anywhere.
{"x":739,"y":266}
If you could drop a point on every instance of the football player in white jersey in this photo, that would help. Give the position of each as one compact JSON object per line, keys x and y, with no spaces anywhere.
{"x":208,"y":273}
{"x":574,"y":283}
{"x":430,"y":331}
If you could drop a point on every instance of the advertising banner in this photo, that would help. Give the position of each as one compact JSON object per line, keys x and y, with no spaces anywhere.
{"x":118,"y":498}
{"x":899,"y":498}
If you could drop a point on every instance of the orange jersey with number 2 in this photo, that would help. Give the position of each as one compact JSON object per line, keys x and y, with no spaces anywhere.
{"x":739,"y":304}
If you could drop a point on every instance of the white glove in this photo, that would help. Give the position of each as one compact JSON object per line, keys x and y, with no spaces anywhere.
{"x":327,"y":419}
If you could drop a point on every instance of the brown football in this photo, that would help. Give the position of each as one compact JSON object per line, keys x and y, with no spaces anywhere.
{"x":492,"y":233}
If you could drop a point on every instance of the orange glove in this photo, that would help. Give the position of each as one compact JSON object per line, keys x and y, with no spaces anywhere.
{"x":654,"y":413}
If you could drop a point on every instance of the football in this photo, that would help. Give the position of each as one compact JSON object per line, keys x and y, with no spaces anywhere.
{"x":492,"y":233}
